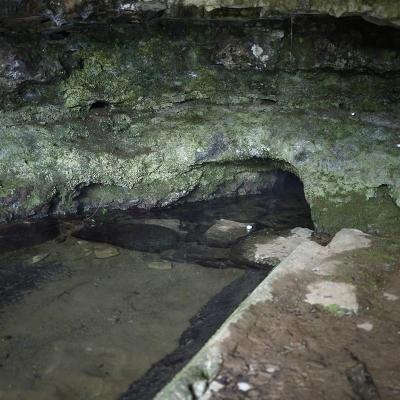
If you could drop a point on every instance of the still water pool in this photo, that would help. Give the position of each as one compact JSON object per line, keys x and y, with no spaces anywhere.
{"x":110,"y":306}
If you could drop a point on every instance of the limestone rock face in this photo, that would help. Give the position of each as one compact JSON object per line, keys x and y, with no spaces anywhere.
{"x":120,"y":115}
{"x":63,"y":11}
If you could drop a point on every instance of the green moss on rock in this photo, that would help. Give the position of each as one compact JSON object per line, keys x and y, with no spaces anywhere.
{"x":187,"y":119}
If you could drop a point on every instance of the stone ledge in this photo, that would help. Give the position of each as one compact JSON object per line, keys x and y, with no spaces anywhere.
{"x":308,"y":257}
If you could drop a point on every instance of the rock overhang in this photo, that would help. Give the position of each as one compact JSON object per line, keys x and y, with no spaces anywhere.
{"x":151,"y":112}
{"x":63,"y":12}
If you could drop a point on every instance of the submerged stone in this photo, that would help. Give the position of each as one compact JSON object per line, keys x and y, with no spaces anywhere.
{"x":142,"y":237}
{"x":170,"y":223}
{"x":214,"y":257}
{"x":225,"y":232}
{"x":106,"y":252}
{"x":160,"y":265}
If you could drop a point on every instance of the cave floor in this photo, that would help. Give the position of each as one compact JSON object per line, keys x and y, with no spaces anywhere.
{"x":292,"y":350}
{"x":284,"y":345}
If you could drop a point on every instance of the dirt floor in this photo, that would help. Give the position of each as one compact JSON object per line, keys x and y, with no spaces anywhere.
{"x":289,"y":349}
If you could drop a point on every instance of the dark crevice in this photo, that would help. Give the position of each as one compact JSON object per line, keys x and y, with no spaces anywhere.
{"x":361,"y":381}
{"x":54,"y":203}
{"x":58,"y":36}
{"x":99,"y":104}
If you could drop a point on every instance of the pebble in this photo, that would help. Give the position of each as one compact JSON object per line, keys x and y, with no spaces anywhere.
{"x":244,"y":386}
{"x":225,"y":232}
{"x":390,"y":297}
{"x":106,"y":252}
{"x":366,"y":326}
{"x":39,"y":257}
{"x":215,"y":386}
{"x":272,"y":368}
{"x":160,"y":265}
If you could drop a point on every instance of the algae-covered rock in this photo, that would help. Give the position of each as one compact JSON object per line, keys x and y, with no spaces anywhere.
{"x":150,"y":115}
{"x":64,"y":11}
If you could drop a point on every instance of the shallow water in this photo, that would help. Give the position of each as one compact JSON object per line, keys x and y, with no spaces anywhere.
{"x":88,"y":305}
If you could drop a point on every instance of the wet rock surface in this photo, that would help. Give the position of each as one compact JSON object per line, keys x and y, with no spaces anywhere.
{"x":208,"y":256}
{"x":17,"y":236}
{"x":142,"y":237}
{"x":267,"y":248}
{"x":225,"y":232}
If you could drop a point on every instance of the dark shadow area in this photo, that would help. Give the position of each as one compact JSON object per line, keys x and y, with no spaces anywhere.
{"x":99,"y":105}
{"x":202,"y":326}
{"x":18,"y":235}
{"x":18,"y":279}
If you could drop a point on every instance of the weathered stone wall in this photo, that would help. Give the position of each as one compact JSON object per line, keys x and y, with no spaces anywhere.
{"x":64,"y":11}
{"x":149,"y":114}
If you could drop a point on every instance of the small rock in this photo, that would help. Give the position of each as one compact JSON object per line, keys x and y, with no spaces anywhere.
{"x":244,"y":386}
{"x":225,"y":232}
{"x":39,"y":257}
{"x":160,"y":265}
{"x":338,"y":294}
{"x":106,"y":252}
{"x":366,"y":326}
{"x":215,"y":386}
{"x":272,"y":368}
{"x":142,"y":237}
{"x":82,"y":242}
{"x":390,"y":297}
{"x":199,"y":388}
